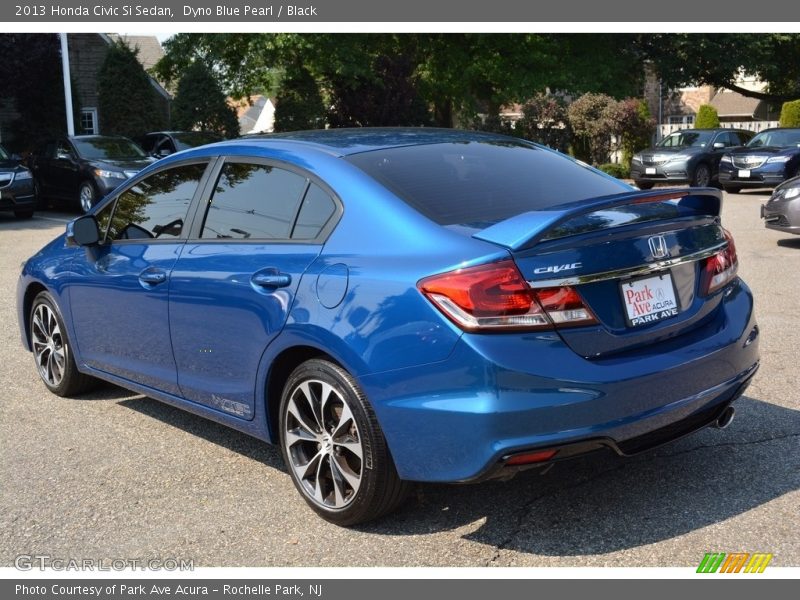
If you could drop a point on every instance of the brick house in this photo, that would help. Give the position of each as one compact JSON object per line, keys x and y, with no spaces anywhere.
{"x":87,"y":51}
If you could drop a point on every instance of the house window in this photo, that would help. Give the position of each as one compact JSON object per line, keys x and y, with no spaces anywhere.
{"x":680,"y":119}
{"x":89,"y":121}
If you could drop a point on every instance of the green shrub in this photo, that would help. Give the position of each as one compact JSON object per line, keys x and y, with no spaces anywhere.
{"x":707,"y":117}
{"x":617,"y":170}
{"x":790,"y":114}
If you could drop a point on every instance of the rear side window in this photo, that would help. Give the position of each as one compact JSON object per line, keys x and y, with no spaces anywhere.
{"x":476,"y":184}
{"x":253,"y":202}
{"x":156,"y":207}
{"x":318,"y":207}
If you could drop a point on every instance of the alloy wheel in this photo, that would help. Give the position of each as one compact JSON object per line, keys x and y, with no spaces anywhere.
{"x":323,"y":444}
{"x":86,"y":197}
{"x":49,"y":348}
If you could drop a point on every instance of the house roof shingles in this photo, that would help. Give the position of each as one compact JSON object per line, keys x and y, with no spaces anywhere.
{"x":150,"y":50}
{"x":733,"y":104}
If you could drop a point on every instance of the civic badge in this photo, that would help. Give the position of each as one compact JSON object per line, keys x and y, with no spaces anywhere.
{"x":658,"y":246}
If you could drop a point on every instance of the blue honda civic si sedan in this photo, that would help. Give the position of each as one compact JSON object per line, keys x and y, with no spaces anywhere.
{"x":400,"y":305}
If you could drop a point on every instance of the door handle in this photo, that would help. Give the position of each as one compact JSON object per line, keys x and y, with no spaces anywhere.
{"x":271,"y":280}
{"x":150,"y":277}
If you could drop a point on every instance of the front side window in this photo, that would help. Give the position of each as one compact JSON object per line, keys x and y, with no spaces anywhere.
{"x":156,"y":207}
{"x":253,"y":202}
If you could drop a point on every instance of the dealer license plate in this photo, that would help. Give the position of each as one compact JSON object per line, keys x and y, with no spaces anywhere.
{"x":649,"y":170}
{"x":744,"y":173}
{"x":649,"y":300}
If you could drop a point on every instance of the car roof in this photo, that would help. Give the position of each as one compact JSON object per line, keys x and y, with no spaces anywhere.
{"x":710,"y":129}
{"x":344,"y":142}
{"x":96,"y":137}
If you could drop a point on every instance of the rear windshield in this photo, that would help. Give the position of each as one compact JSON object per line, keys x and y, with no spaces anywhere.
{"x":476,"y":184}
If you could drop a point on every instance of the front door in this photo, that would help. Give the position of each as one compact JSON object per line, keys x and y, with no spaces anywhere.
{"x":120,"y":291}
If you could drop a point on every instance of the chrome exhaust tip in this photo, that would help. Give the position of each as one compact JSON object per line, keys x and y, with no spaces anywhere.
{"x":726,"y":418}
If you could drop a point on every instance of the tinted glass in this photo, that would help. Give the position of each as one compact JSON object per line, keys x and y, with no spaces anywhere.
{"x":103,"y":218}
{"x":3,"y":154}
{"x":681,"y":139}
{"x":156,"y":207}
{"x":318,"y":207}
{"x":776,"y":137}
{"x":253,"y":202}
{"x":112,"y":148}
{"x":191,"y":139}
{"x":480,"y":183}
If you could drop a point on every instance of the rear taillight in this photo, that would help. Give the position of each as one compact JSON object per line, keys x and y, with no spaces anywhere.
{"x":720,"y":269}
{"x":495,"y":296}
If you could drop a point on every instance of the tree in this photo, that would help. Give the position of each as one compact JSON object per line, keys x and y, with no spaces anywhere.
{"x":200,"y":103}
{"x":456,"y":75}
{"x":544,"y":120}
{"x":631,"y":124}
{"x":721,"y":59}
{"x":38,"y":95}
{"x":299,"y":103}
{"x":127,"y":102}
{"x":590,"y":122}
{"x":389,"y":98}
{"x":707,"y":117}
{"x":790,"y":114}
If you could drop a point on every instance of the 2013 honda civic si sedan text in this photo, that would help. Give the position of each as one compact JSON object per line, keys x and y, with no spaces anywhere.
{"x":399,"y":305}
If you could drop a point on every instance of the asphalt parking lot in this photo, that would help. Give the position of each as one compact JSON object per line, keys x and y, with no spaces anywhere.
{"x":120,"y":476}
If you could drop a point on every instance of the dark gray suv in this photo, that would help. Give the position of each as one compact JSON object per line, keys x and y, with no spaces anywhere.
{"x":687,"y":156}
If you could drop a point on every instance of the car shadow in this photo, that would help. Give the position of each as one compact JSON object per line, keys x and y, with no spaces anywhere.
{"x":221,"y":435}
{"x":594,"y":505}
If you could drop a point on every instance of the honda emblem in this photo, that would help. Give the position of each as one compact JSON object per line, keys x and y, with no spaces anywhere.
{"x":658,"y":246}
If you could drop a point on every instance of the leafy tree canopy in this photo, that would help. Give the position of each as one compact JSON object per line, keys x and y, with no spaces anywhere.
{"x":201,"y":104}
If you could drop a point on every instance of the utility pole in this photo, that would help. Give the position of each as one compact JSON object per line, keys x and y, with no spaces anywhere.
{"x":67,"y":82}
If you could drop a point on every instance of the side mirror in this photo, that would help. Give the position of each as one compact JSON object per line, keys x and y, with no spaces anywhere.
{"x":83,"y":231}
{"x":63,"y":156}
{"x":164,"y":152}
{"x":16,"y":157}
{"x":718,"y":145}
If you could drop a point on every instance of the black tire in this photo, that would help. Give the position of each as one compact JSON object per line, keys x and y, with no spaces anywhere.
{"x":46,"y":324}
{"x":24,"y":214}
{"x":321,"y":447}
{"x":701,"y":176}
{"x":732,"y":189}
{"x":87,"y":196}
{"x":644,"y":185}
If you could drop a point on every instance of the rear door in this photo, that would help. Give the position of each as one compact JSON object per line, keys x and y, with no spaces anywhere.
{"x":235,"y":282}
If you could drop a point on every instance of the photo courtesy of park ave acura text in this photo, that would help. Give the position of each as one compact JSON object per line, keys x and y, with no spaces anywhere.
{"x":398,"y":299}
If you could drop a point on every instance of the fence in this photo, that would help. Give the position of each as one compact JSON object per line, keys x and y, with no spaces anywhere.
{"x":755,"y":126}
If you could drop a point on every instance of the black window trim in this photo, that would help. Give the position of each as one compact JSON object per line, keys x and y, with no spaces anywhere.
{"x":198,"y":221}
{"x":133,"y":181}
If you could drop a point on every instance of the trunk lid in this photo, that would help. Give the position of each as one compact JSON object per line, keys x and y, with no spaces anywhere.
{"x":636,"y":259}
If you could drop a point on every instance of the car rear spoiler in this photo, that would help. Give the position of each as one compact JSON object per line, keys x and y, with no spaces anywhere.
{"x":530,"y":228}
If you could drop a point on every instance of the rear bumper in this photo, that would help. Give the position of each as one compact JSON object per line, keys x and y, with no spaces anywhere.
{"x":498,"y":395}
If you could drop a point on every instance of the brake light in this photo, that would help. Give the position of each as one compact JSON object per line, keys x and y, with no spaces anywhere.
{"x":495,"y":296}
{"x":720,"y":269}
{"x":531,"y":457}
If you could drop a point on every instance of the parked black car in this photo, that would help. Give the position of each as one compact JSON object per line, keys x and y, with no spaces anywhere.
{"x":687,"y":156}
{"x":84,"y":168}
{"x":782,"y":210}
{"x":17,"y":186}
{"x":770,"y":158}
{"x":164,"y":143}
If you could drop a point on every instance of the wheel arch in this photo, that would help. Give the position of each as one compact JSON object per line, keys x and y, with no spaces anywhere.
{"x":34,"y":289}
{"x":280,"y":368}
